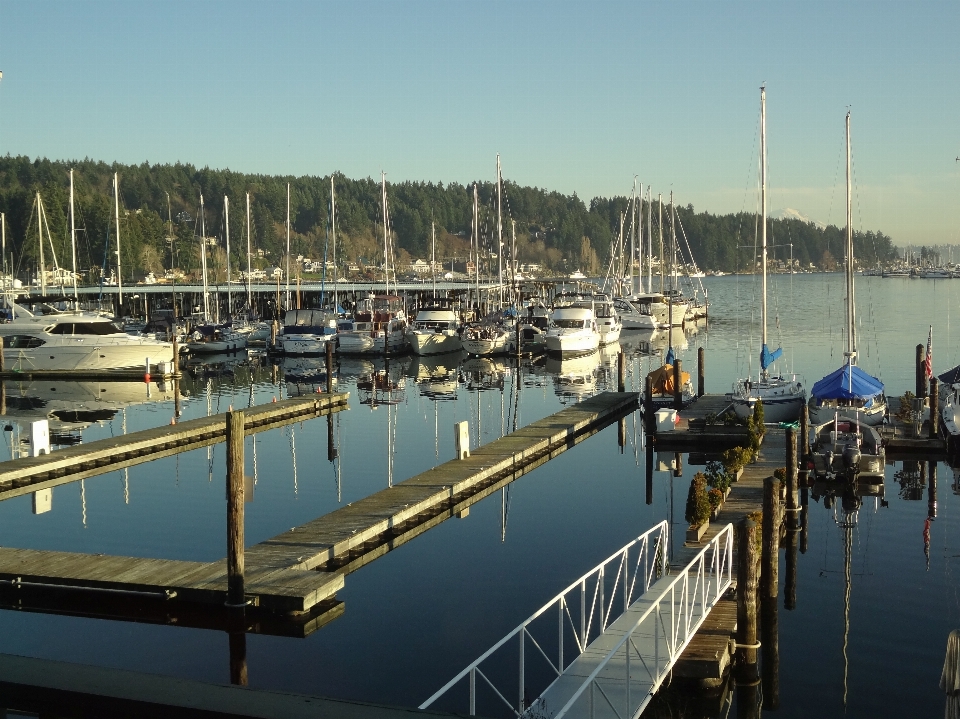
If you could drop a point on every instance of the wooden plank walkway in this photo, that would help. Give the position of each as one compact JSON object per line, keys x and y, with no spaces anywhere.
{"x":69,"y":464}
{"x":278,"y":571}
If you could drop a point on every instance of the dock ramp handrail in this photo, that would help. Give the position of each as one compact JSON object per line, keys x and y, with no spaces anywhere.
{"x":627,"y":574}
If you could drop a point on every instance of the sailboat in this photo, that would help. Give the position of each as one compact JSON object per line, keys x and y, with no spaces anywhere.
{"x":848,"y":391}
{"x":782,"y":397}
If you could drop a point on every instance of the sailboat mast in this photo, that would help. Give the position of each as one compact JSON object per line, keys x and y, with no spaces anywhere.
{"x":763,"y":221}
{"x":73,"y":237}
{"x":203,"y":262}
{"x":116,"y":212}
{"x":43,"y":275}
{"x":288,"y":246}
{"x":513,"y":261}
{"x":499,"y":234}
{"x":226,"y":221}
{"x":851,"y":307}
{"x":433,"y":254}
{"x":660,"y":230}
{"x":333,"y":238}
{"x":633,"y":241}
{"x":249,"y":289}
{"x":476,"y":238}
{"x":173,"y":272}
{"x":650,"y":238}
{"x":386,"y":251}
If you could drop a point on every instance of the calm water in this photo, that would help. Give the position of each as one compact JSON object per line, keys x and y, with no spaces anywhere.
{"x":416,"y":616}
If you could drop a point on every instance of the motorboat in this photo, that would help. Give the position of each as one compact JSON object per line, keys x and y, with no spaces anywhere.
{"x":379,"y":326}
{"x":44,"y":338}
{"x":215,"y":339}
{"x":663,"y":386}
{"x":494,"y":335}
{"x":306,"y":332}
{"x":533,"y":328}
{"x":574,"y":378}
{"x":632,"y":316}
{"x":436,"y":330}
{"x":578,"y":275}
{"x":606,"y":317}
{"x":847,"y":449}
{"x":572,"y":331}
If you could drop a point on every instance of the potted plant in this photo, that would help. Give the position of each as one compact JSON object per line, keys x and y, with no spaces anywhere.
{"x":716,"y":502}
{"x":698,"y":508}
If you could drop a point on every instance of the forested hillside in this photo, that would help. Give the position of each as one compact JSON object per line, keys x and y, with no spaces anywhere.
{"x":558,"y":231}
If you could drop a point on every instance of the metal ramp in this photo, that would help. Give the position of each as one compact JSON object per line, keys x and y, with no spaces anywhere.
{"x":620,"y":653}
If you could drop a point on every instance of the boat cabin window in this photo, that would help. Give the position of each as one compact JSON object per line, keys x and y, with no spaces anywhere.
{"x":571,"y":324}
{"x":434,"y":326}
{"x":84,"y":328}
{"x":21,"y":342}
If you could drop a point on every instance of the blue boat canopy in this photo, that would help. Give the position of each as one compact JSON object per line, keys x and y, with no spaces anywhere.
{"x":951,"y":376}
{"x":767,"y":357}
{"x":848,"y":382}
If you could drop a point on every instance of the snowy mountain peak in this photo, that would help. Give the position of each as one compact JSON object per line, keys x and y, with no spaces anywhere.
{"x":790,"y":214}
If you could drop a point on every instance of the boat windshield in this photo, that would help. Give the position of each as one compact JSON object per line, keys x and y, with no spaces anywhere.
{"x":434,"y":326}
{"x":571,"y":324}
{"x":84,"y":328}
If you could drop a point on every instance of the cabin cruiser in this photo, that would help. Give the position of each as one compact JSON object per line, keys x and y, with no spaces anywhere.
{"x":607,"y":319}
{"x":377,"y":321}
{"x":306,"y":332}
{"x":215,"y":339}
{"x":44,"y":338}
{"x":436,"y":330}
{"x":668,"y":310}
{"x":533,"y":327}
{"x":572,"y":331}
{"x":632,"y":317}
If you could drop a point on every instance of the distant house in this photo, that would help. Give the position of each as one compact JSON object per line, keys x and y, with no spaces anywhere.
{"x":420,"y":267}
{"x":274,"y":273}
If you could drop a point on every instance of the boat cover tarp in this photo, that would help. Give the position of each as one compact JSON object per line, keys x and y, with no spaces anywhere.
{"x":662,"y":379}
{"x":767,"y":357}
{"x":951,"y":376}
{"x":848,"y":382}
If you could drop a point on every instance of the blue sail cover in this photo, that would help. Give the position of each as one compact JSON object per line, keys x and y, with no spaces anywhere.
{"x":767,"y":357}
{"x":848,"y":382}
{"x":671,"y":357}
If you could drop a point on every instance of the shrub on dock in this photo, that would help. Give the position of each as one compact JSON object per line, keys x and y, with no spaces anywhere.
{"x":716,"y":498}
{"x":698,"y":503}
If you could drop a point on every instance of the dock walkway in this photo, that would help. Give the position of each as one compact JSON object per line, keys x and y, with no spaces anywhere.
{"x":279,"y":572}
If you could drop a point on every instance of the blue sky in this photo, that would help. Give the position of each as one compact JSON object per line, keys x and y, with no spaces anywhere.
{"x":575,"y":96}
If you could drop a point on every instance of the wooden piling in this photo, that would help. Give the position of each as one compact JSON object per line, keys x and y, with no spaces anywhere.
{"x":329,"y":348}
{"x":238,"y":658}
{"x":934,"y":408}
{"x":235,"y":566}
{"x":621,"y":372}
{"x":793,"y":505}
{"x":790,"y":561}
{"x":769,"y":574}
{"x":649,"y":473}
{"x":921,"y":372}
{"x":769,"y":638}
{"x":273,"y":335}
{"x":701,"y":371}
{"x":331,"y":444}
{"x":746,"y":599}
{"x":804,"y":432}
{"x":677,"y":385}
{"x":176,"y":355}
{"x":648,"y":404}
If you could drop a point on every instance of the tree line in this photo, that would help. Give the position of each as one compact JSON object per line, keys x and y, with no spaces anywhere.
{"x":161,"y":222}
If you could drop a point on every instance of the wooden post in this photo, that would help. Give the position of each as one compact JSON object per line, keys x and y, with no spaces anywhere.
{"x":746,"y":599}
{"x":273,"y":335}
{"x":701,"y":371}
{"x":771,"y":538}
{"x":329,"y":348}
{"x":235,"y":568}
{"x":648,"y":405}
{"x":790,"y":581}
{"x":934,"y":408}
{"x":769,"y":638}
{"x":176,"y":399}
{"x":921,"y":373}
{"x":804,"y":432}
{"x":621,"y":372}
{"x":677,"y":464}
{"x":677,"y":386}
{"x":238,"y":658}
{"x":176,"y":355}
{"x":793,"y":505}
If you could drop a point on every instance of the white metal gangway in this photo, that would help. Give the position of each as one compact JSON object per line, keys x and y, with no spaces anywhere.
{"x":622,"y":648}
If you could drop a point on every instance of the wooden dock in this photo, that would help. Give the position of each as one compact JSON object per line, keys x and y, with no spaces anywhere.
{"x":104,"y":375}
{"x":69,"y":464}
{"x":279,"y":574}
{"x":692,"y":432}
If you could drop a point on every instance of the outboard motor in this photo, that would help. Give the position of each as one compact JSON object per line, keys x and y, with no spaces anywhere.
{"x":851,"y":457}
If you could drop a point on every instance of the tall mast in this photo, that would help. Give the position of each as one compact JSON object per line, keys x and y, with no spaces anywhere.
{"x":203,"y":261}
{"x":386,"y":256}
{"x":43,"y":274}
{"x":73,"y":237}
{"x":433,"y":254}
{"x":249,"y":292}
{"x":650,"y":238}
{"x":673,"y":245}
{"x":660,"y":231}
{"x":333,"y":236}
{"x":116,"y":212}
{"x":173,"y":271}
{"x":633,"y":241}
{"x":3,"y":246}
{"x":288,"y":246}
{"x":513,"y":259}
{"x":499,"y":235}
{"x":763,"y":225}
{"x":476,"y":237}
{"x":226,"y":221}
{"x":851,"y":352}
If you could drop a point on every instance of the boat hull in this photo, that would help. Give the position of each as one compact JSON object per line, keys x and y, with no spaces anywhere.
{"x":85,"y":357}
{"x":434,"y":343}
{"x":570,"y":345}
{"x":305,"y":345}
{"x":872,"y":416}
{"x":782,"y":400}
{"x":500,"y":345}
{"x":362,"y":343}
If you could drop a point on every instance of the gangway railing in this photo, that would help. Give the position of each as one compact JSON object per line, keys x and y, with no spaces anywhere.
{"x":559,"y":632}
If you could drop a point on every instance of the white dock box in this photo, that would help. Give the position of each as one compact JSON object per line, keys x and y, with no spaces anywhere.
{"x":666,"y":419}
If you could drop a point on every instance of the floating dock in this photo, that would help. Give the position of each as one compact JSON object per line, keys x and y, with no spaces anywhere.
{"x":279,"y":572}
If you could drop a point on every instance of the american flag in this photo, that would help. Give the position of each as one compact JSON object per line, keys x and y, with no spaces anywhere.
{"x":928,"y":360}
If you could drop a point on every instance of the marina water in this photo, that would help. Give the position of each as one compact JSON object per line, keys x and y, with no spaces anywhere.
{"x":418,"y":614}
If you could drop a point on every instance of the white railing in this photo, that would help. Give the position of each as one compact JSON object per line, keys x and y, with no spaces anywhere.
{"x":583,"y":611}
{"x":652,"y":638}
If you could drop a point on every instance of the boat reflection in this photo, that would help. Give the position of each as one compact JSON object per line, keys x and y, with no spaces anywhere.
{"x":574,"y":379}
{"x":305,"y":375}
{"x":485,"y":373}
{"x":384,"y":385}
{"x":436,"y":376}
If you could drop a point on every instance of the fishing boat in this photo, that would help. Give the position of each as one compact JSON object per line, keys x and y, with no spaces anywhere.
{"x":572,"y":331}
{"x":782,"y":397}
{"x":435,"y":330}
{"x":849,"y":391}
{"x":44,"y":338}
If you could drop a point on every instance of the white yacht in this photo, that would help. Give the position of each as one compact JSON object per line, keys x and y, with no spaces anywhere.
{"x":607,"y":319}
{"x":436,"y":330}
{"x":632,"y":316}
{"x":496,"y":334}
{"x":44,"y":338}
{"x":215,"y":339}
{"x":572,"y":331}
{"x":306,"y":332}
{"x":377,"y":321}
